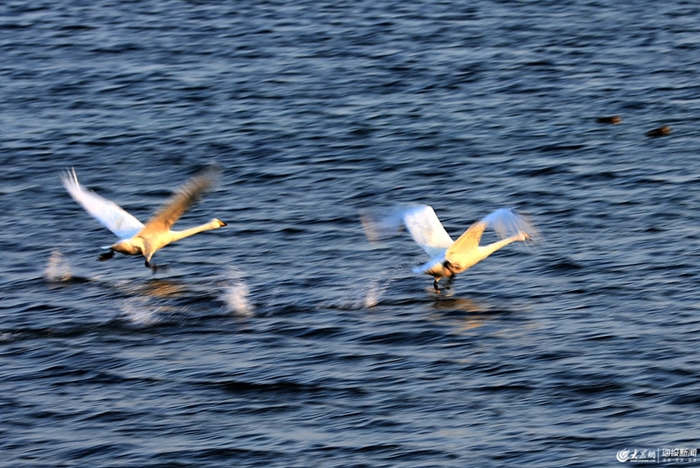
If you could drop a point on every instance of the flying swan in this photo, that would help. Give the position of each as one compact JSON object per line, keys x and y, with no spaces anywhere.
{"x":137,"y":239}
{"x":448,"y":257}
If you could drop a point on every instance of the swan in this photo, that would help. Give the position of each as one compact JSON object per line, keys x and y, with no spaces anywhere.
{"x":448,"y":257}
{"x":137,"y":238}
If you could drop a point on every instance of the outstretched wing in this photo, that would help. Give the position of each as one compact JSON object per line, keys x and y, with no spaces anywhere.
{"x":504,"y":221}
{"x":181,"y":201}
{"x":111,"y":215}
{"x":470,"y":239}
{"x":466,"y":251}
{"x":507,"y":222}
{"x":427,"y":230}
{"x":420,"y":221}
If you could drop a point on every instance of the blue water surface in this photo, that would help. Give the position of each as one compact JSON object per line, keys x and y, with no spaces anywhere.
{"x":286,"y":339}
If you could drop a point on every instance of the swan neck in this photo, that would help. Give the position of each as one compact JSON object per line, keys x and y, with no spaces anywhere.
{"x":177,"y":235}
{"x":491,"y":248}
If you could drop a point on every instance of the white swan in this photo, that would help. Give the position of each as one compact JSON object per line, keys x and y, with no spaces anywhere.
{"x":136,"y":238}
{"x":448,"y":257}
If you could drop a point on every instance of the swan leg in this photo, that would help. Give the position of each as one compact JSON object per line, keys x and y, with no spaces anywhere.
{"x":154,"y":268}
{"x":106,"y":255}
{"x":435,"y":285}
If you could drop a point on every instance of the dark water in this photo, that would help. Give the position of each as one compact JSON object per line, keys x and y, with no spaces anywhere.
{"x":286,"y":339}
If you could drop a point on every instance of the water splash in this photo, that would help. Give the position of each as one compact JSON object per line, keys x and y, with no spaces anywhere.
{"x":139,"y":311}
{"x":57,"y":268}
{"x":375,"y":292}
{"x":7,"y":337}
{"x":235,"y":293}
{"x":362,"y":296}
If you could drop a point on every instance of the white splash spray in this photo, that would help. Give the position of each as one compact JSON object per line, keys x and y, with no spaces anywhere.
{"x":354,"y":296}
{"x":139,"y":311}
{"x":375,"y":292}
{"x":235,"y":293}
{"x":7,"y":337}
{"x":57,"y":268}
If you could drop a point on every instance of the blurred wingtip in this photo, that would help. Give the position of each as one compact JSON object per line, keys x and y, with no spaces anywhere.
{"x":69,"y":174}
{"x":536,"y":237}
{"x":212,"y":171}
{"x":507,"y":222}
{"x":204,"y":180}
{"x":370,"y":226}
{"x":381,"y":223}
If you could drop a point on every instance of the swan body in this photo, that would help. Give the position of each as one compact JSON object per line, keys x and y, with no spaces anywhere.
{"x":137,"y":238}
{"x":448,"y":257}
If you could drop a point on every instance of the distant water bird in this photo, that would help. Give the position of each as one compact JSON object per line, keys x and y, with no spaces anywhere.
{"x":613,"y":119}
{"x":136,"y":238}
{"x":661,"y":131}
{"x":448,"y":257}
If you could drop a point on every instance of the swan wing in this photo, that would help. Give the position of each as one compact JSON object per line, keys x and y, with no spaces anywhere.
{"x":426,"y":267}
{"x":427,"y":230}
{"x":504,"y":221}
{"x":469,"y":240}
{"x":507,"y":223}
{"x":111,"y":215}
{"x":186,"y":196}
{"x":420,"y":221}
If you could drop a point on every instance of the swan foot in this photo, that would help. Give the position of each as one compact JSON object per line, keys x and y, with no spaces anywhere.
{"x":154,"y":268}
{"x":450,"y":283}
{"x":448,"y":286}
{"x":106,"y":255}
{"x":160,"y":267}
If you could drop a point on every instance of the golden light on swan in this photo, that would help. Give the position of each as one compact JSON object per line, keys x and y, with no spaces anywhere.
{"x":137,"y":238}
{"x":448,"y":257}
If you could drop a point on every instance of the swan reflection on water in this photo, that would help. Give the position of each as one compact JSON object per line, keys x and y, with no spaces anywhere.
{"x":161,"y":288}
{"x":462,"y":313}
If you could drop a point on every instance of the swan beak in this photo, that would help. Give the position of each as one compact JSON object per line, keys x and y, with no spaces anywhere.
{"x":221,"y":223}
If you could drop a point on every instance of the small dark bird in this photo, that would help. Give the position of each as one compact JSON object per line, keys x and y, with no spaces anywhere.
{"x":659,"y":132}
{"x":613,"y":119}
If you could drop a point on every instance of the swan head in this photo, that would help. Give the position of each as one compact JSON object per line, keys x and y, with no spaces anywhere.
{"x":217,"y":223}
{"x":523,"y":236}
{"x":449,"y":268}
